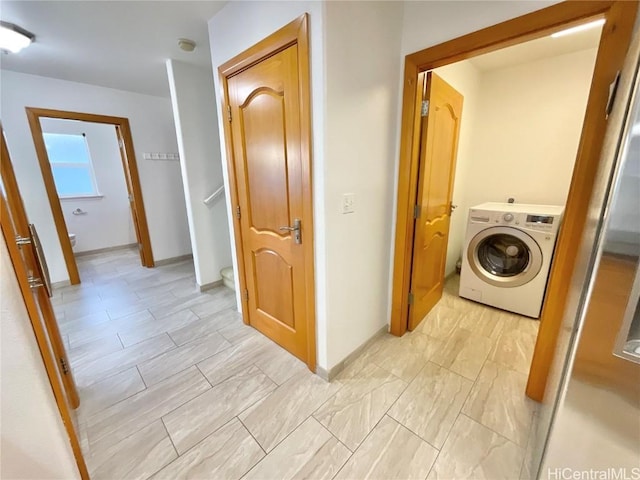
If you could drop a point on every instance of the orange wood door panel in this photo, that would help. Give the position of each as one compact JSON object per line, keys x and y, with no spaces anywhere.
{"x":439,"y":147}
{"x":266,"y":136}
{"x":132,"y":202}
{"x":15,"y":226}
{"x":17,"y":220}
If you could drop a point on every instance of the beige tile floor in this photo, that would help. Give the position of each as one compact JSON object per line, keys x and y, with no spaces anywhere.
{"x":174,"y":385}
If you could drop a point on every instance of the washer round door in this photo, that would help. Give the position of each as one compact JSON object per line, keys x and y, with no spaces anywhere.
{"x":504,"y":256}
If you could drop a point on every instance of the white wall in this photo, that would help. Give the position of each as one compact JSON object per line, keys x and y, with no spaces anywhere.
{"x":526,"y":137}
{"x":33,"y":440}
{"x":194,"y":113}
{"x":465,"y":78}
{"x":238,"y":26}
{"x":108,"y":221}
{"x":363,"y":66}
{"x":152,"y":129}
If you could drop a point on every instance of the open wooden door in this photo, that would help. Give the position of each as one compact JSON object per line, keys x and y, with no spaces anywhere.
{"x":441,"y":111}
{"x":145,"y":256}
{"x":31,"y":271}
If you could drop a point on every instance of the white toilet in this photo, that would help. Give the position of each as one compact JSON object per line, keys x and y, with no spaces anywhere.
{"x":227,"y":278}
{"x":72,"y":238}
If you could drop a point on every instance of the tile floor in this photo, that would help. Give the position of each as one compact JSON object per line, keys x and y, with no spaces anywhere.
{"x":174,"y":385}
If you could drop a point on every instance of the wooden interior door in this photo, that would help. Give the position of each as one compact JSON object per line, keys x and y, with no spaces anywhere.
{"x":25,"y":235}
{"x":270,"y":173}
{"x":132,"y":200}
{"x":438,"y":152}
{"x":31,"y":273}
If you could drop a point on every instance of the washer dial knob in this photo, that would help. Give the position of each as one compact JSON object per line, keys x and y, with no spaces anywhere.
{"x":507,"y":217}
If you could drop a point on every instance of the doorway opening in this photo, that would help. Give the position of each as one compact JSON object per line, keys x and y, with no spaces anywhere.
{"x":79,"y":155}
{"x":612,"y":48}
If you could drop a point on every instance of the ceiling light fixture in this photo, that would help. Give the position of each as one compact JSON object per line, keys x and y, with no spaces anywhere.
{"x":186,"y":44}
{"x":578,"y":28}
{"x":14,"y":38}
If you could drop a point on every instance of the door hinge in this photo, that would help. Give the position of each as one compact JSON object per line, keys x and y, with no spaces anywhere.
{"x":425,"y":108}
{"x":65,"y":367}
{"x":229,"y":113}
{"x":613,"y":89}
{"x":410,"y":298}
{"x":245,"y":295}
{"x":237,"y":211}
{"x":120,"y":143}
{"x":416,"y":211}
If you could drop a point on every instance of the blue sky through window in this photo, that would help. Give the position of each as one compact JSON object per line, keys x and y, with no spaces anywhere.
{"x":70,"y":164}
{"x":63,"y":148}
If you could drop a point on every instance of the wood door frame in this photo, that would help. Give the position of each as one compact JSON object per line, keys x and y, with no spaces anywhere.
{"x":34,"y":115}
{"x":614,"y":42}
{"x":46,"y":349}
{"x":296,"y":32}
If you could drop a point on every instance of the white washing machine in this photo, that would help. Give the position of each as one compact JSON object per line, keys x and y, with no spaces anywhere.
{"x":507,"y":255}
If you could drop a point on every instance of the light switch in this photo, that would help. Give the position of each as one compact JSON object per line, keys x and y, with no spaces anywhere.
{"x":348,"y":203}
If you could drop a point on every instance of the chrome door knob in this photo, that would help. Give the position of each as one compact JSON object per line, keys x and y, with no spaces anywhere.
{"x":297,"y":234}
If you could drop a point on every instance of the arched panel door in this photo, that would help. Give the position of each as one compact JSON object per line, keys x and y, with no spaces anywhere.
{"x":442,"y":111}
{"x":271,"y":171}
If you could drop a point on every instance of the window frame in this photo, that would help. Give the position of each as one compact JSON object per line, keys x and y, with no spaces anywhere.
{"x":82,"y":165}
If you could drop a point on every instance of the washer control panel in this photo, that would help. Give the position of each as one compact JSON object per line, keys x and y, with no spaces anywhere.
{"x":543,"y":223}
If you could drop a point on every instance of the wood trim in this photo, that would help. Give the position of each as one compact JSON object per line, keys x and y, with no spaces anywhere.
{"x":616,"y":36}
{"x":132,"y":166}
{"x":34,"y":115}
{"x":615,"y":39}
{"x":304,"y":71}
{"x":276,"y":42}
{"x":48,"y":356}
{"x":521,"y":29}
{"x":296,"y":32}
{"x":407,"y":193}
{"x":52,"y":195}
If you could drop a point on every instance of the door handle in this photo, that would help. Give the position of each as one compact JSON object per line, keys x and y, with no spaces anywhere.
{"x":34,"y":282}
{"x":23,"y":240}
{"x":296,"y":229}
{"x":41,"y":262}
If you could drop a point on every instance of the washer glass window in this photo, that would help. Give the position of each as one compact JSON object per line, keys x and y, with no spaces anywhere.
{"x":503,"y":255}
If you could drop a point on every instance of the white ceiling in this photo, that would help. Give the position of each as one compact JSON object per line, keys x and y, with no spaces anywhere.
{"x":124,"y":44}
{"x":537,"y":49}
{"x":117,"y":44}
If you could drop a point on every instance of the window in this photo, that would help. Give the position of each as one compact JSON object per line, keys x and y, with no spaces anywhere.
{"x":71,"y":165}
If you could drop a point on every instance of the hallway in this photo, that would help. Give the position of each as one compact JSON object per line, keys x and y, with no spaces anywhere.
{"x":174,"y":385}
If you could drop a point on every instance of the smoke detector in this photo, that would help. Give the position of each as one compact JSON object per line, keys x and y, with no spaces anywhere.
{"x":186,"y":44}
